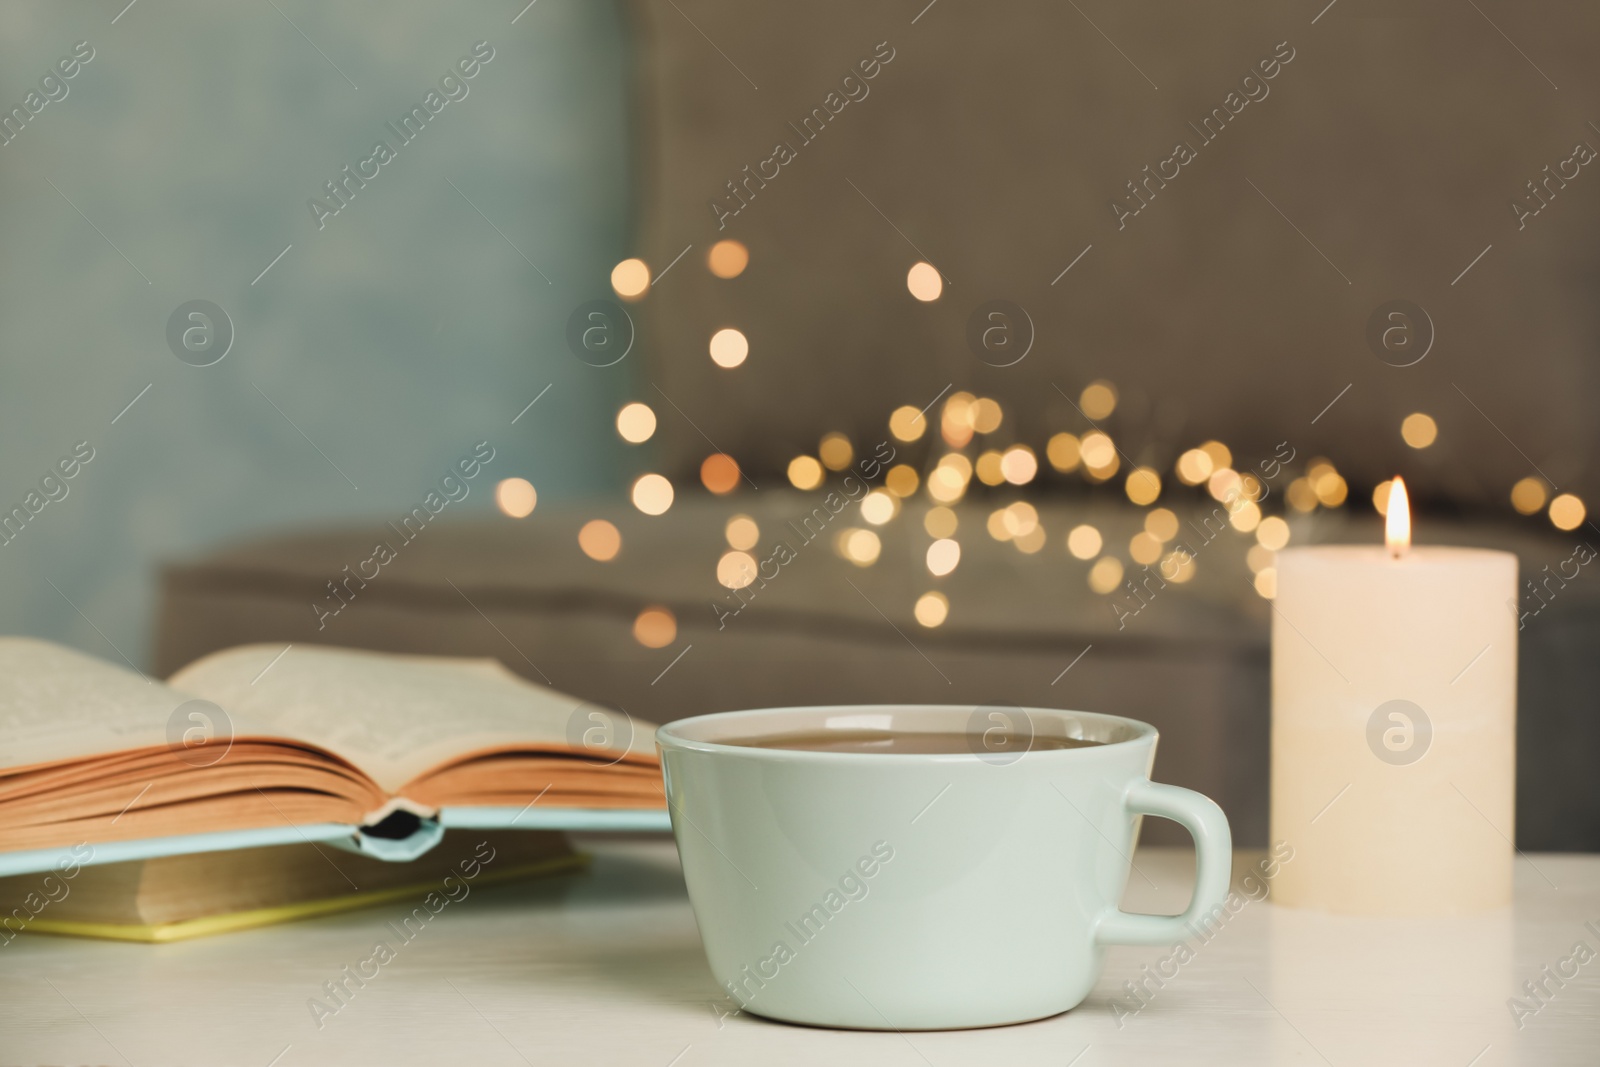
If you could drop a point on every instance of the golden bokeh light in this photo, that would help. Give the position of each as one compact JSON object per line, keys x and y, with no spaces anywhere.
{"x":1194,"y":466}
{"x":986,"y":415}
{"x":1259,"y":558}
{"x":1099,"y":454}
{"x":943,"y":555}
{"x":1567,"y":512}
{"x":1266,"y":582}
{"x":1019,"y":464}
{"x":958,"y":420}
{"x":1144,"y":548}
{"x":1528,"y":495}
{"x":1419,"y":430}
{"x":1301,"y":496}
{"x":1272,"y":533}
{"x":1064,"y":452}
{"x":940,"y":522}
{"x":1218,"y":453}
{"x":655,"y":628}
{"x":636,"y":423}
{"x":720,"y":473}
{"x":1143,"y":485}
{"x":516,"y":497}
{"x":1032,"y":541}
{"x":836,"y":451}
{"x":1098,"y":399}
{"x":728,"y":259}
{"x":932,"y":609}
{"x":1106,"y":574}
{"x":630,"y":279}
{"x":1223,"y":482}
{"x":742,"y":532}
{"x":1161,"y":524}
{"x":805,"y":472}
{"x":1380,"y":496}
{"x":1084,"y":541}
{"x":996,"y":525}
{"x":736,"y":569}
{"x":902,"y":480}
{"x":1245,"y":517}
{"x":924,"y":282}
{"x":1330,"y":488}
{"x":907,"y":423}
{"x":652,"y":494}
{"x":988,"y":468}
{"x":729,"y":347}
{"x":945,"y":485}
{"x":859,"y":546}
{"x":1021,"y":519}
{"x":1178,"y":565}
{"x":600,"y":540}
{"x":879,"y":506}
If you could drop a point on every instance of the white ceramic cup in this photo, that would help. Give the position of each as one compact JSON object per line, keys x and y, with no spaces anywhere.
{"x":921,"y":892}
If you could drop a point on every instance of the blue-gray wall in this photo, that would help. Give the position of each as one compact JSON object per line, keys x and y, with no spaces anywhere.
{"x":414,"y":323}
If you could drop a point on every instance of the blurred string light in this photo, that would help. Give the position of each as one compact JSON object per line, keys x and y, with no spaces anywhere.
{"x":1326,"y":482}
{"x":1380,"y":496}
{"x":727,"y":259}
{"x":1567,"y":512}
{"x":805,"y":472}
{"x":1144,"y":548}
{"x":931,"y":609}
{"x":879,"y":506}
{"x":728,"y":347}
{"x":1031,"y":541}
{"x":1272,"y":533}
{"x":720,"y":473}
{"x":736,"y":569}
{"x":907,"y":423}
{"x":902,"y":480}
{"x":1018,"y":464}
{"x":986,"y":415}
{"x":630,"y":279}
{"x":600,"y":540}
{"x":859,"y":546}
{"x":1266,"y":582}
{"x":742,"y":532}
{"x":1084,"y":541}
{"x":943,"y":555}
{"x":1098,"y":400}
{"x":1178,"y":565}
{"x":988,"y":468}
{"x":1259,"y":558}
{"x":516,"y":497}
{"x":940,"y":522}
{"x":1143,"y":486}
{"x":1099,"y":455}
{"x":1064,"y":452}
{"x":958,"y":420}
{"x":655,"y":628}
{"x":1105,"y":575}
{"x":1162,"y":524}
{"x":924,"y":282}
{"x":1528,"y":496}
{"x":652,"y":494}
{"x":835,"y":451}
{"x":1419,"y":430}
{"x":636,"y":423}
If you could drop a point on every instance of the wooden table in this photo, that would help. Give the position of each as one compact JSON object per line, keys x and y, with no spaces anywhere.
{"x":606,"y":968}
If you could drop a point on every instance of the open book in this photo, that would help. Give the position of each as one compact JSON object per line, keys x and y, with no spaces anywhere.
{"x":262,"y":745}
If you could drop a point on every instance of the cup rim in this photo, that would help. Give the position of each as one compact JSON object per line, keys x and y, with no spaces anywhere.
{"x":670,"y":734}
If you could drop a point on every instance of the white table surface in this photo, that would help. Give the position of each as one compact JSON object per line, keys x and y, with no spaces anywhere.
{"x":606,"y":968}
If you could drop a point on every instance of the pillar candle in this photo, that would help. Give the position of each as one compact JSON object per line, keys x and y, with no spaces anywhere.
{"x":1394,"y":726}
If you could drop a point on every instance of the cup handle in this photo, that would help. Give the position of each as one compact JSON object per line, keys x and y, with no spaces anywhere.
{"x":1213,"y":846}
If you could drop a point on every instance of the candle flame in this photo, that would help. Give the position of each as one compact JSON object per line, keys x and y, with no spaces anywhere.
{"x":1397,"y":520}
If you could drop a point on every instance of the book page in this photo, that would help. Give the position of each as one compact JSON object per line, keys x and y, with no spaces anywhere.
{"x":394,"y":716}
{"x":60,"y":704}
